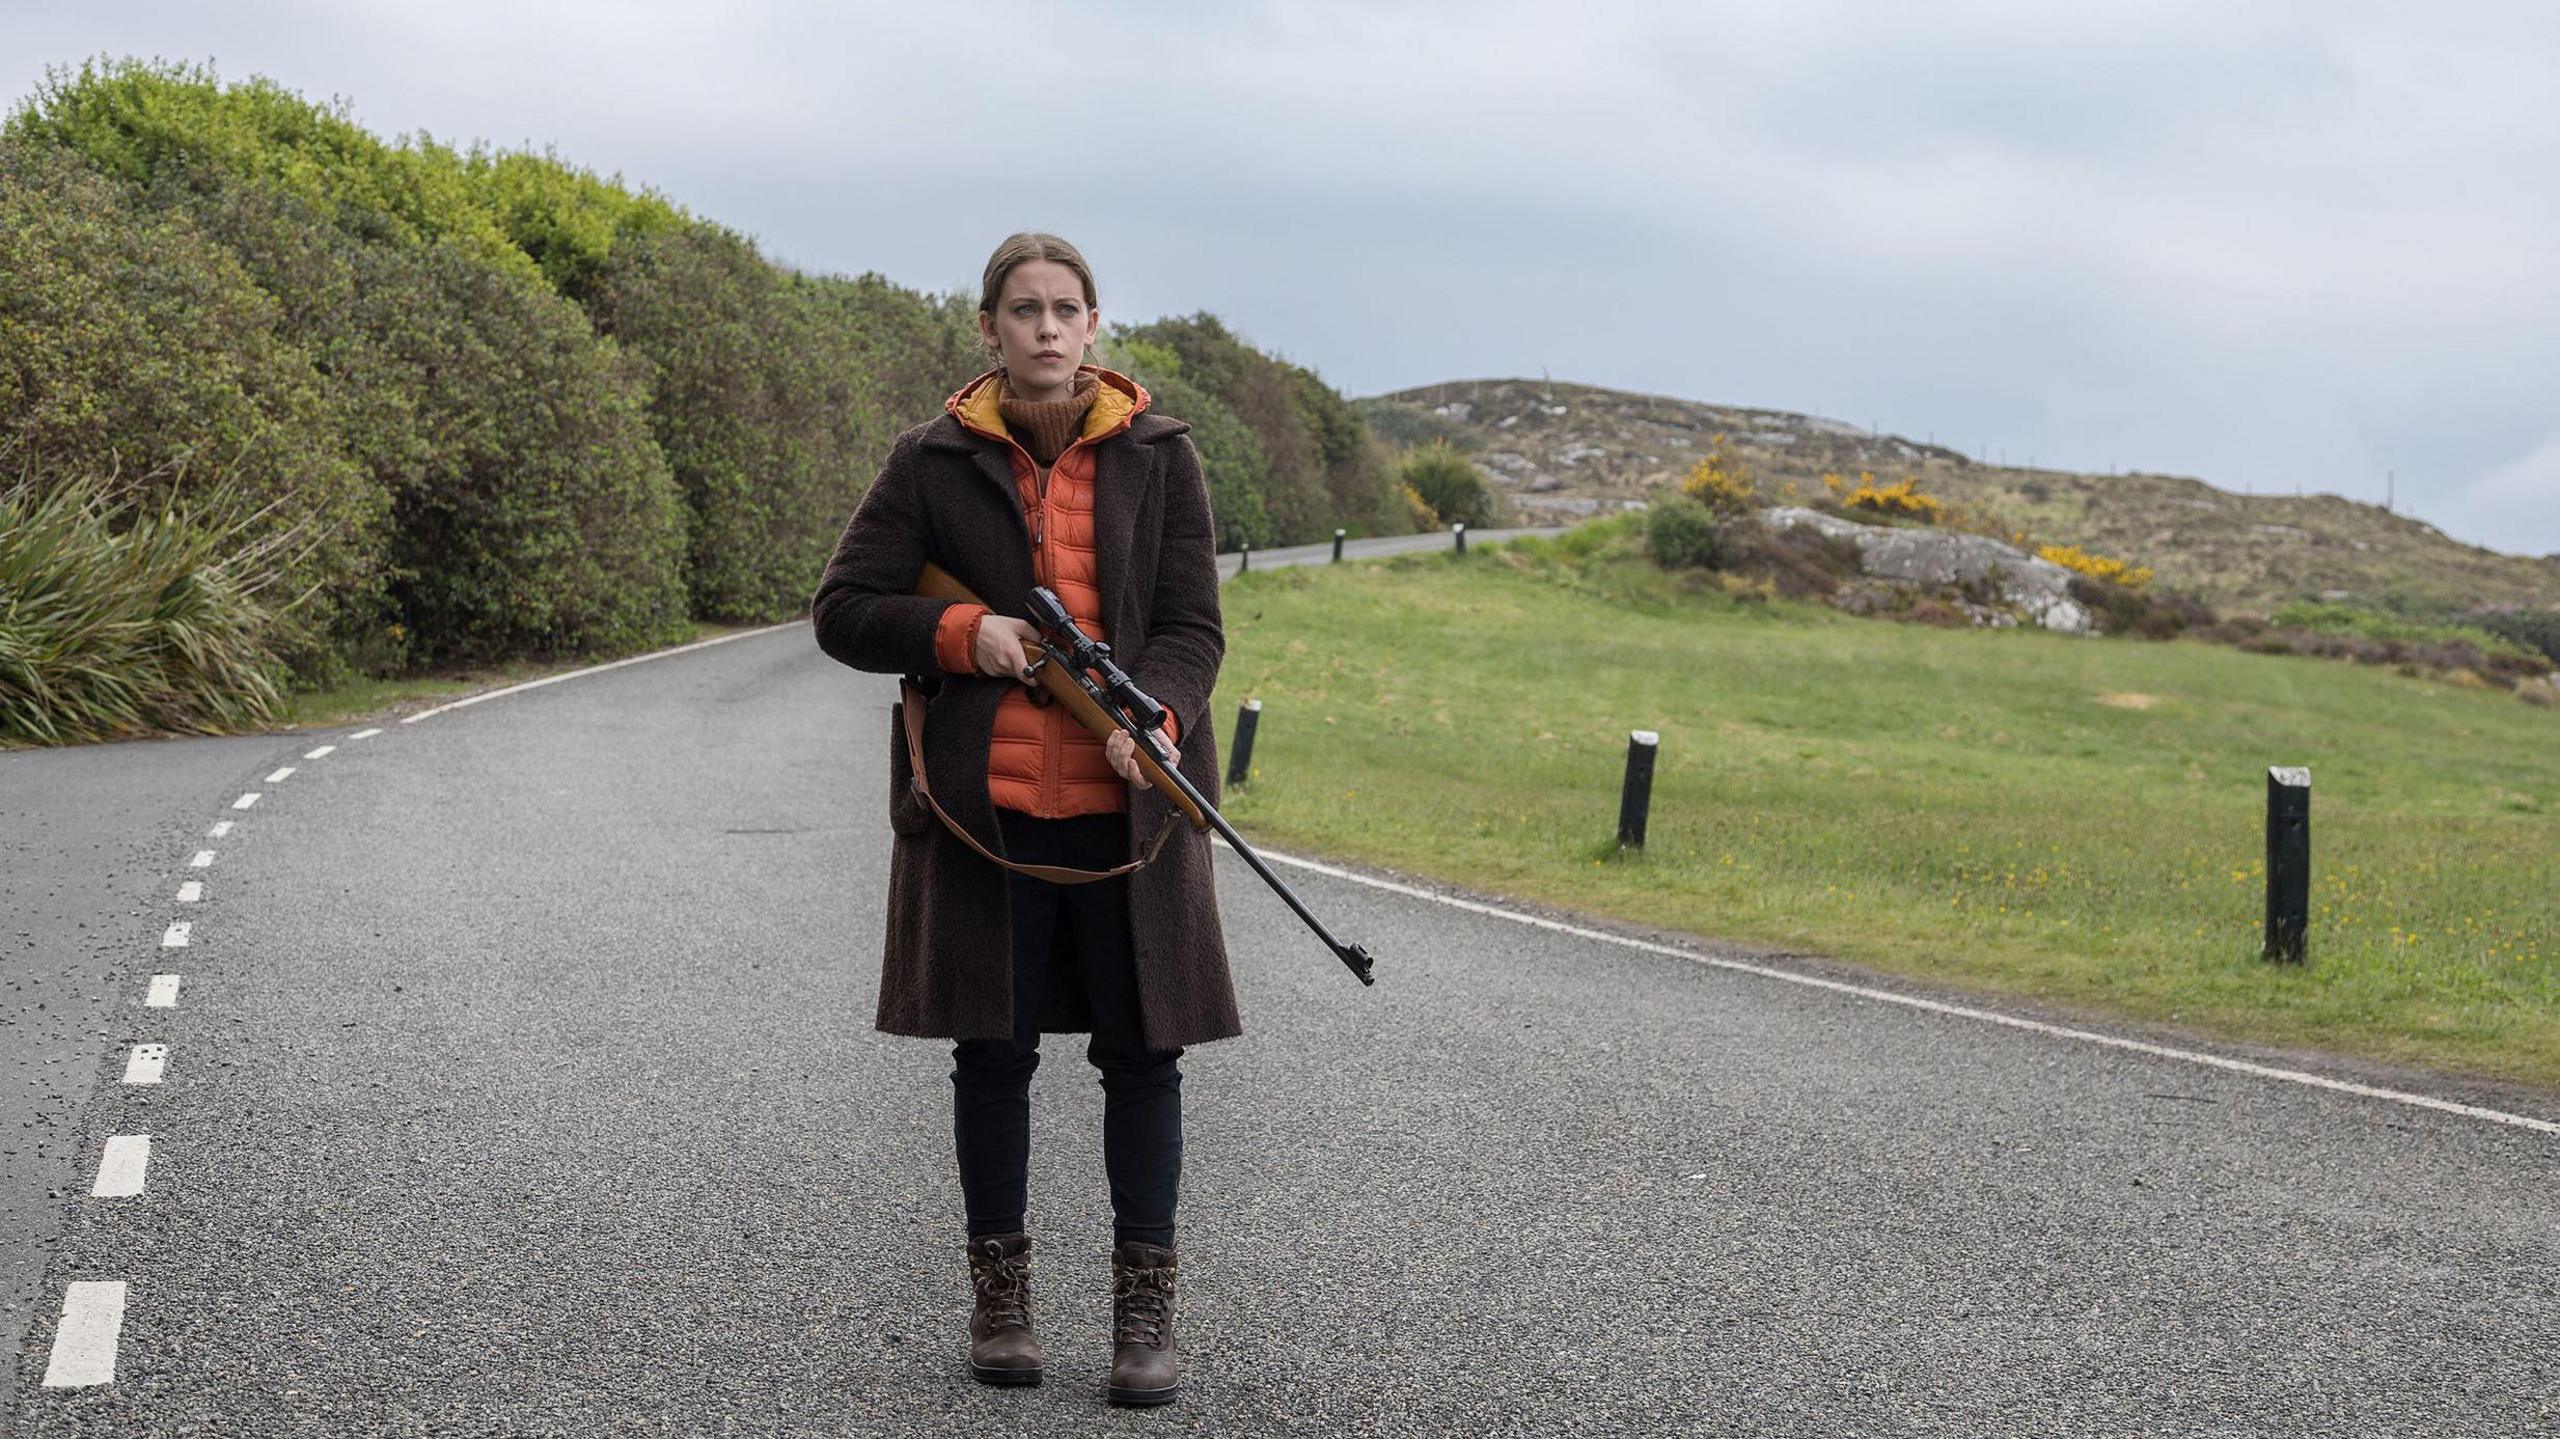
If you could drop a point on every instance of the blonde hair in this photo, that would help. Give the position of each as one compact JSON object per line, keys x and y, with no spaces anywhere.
{"x":1018,"y":248}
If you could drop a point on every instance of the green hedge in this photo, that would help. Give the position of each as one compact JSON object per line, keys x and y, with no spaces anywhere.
{"x":503,"y":406}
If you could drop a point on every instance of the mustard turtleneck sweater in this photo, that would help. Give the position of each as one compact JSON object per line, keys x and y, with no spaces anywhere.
{"x":1047,"y":427}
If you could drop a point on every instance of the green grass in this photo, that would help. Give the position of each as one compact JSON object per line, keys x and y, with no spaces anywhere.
{"x":1982,"y":808}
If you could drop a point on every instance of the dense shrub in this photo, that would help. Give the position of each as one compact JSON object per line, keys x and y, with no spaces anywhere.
{"x":505,"y":406}
{"x":1358,"y":476}
{"x":566,"y":219}
{"x":2144,"y":613}
{"x":134,"y":344}
{"x":2436,"y":628}
{"x":135,"y":120}
{"x":1721,"y":480}
{"x":1319,"y":467}
{"x":1684,"y":534}
{"x":2097,"y":567}
{"x":1902,"y":499}
{"x":1230,"y":455}
{"x":2537,"y":630}
{"x":1450,"y":485}
{"x":756,"y":404}
{"x":1800,"y":561}
{"x":539,"y":517}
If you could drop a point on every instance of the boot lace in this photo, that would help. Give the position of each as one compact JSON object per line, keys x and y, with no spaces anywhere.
{"x":1142,"y":1295}
{"x":1003,"y":1286}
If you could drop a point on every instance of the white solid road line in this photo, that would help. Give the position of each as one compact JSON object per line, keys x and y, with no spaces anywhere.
{"x":191,"y":891}
{"x":146,"y":1064}
{"x":122,"y":1166}
{"x":164,"y":992}
{"x":321,"y":753}
{"x":220,"y":828}
{"x":599,"y":669}
{"x":203,"y":859}
{"x":2216,"y":1061}
{"x":279,"y":777}
{"x":246,"y":800}
{"x":84,"y":1344}
{"x":364,"y":734}
{"x":175,"y":937}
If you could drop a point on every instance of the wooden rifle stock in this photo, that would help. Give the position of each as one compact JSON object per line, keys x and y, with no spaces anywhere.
{"x":939,"y":583}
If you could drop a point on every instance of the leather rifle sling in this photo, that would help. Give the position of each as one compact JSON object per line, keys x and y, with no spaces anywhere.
{"x":911,"y":710}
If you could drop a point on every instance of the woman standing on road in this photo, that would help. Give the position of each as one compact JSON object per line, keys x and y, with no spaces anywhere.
{"x":1045,"y":470}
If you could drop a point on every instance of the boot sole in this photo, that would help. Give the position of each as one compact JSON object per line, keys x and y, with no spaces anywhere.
{"x":1143,"y":1396}
{"x":988,"y":1374}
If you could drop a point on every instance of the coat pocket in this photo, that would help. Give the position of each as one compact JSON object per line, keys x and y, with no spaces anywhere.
{"x":907,"y":811}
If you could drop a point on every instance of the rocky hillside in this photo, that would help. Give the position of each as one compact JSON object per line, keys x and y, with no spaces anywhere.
{"x":1554,"y":450}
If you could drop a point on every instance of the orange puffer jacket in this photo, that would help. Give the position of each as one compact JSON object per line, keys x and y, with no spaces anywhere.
{"x":1042,"y":761}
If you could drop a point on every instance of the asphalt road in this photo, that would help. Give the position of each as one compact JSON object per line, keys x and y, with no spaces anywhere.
{"x":521,"y":1080}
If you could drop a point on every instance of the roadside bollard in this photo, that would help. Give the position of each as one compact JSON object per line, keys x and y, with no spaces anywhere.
{"x":2288,"y":862}
{"x":1240,"y":759}
{"x":1337,"y":546}
{"x":1244,"y":558}
{"x":1460,"y":530}
{"x":1636,"y":796}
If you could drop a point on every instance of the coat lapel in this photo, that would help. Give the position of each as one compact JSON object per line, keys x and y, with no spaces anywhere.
{"x":1121,"y":469}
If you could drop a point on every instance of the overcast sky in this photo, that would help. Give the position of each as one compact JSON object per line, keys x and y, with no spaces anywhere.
{"x":2274,"y":245}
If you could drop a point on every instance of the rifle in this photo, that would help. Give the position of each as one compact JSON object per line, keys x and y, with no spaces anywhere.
{"x":1065,"y":668}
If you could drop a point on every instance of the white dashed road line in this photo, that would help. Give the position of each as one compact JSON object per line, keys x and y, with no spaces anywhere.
{"x":146,"y":1064}
{"x":364,"y":734}
{"x":84,"y":1344}
{"x":191,"y":891}
{"x":1886,"y":996}
{"x":203,"y":860}
{"x":246,"y":800}
{"x":164,"y":992}
{"x":121,"y":1167}
{"x":320,"y":753}
{"x":279,"y":777}
{"x":175,"y":937}
{"x":220,"y":828}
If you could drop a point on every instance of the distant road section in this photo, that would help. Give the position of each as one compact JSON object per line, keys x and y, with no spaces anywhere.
{"x":1369,"y":549}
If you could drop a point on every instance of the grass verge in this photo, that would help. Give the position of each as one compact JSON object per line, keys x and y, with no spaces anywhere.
{"x":2070,"y":819}
{"x":375,"y":699}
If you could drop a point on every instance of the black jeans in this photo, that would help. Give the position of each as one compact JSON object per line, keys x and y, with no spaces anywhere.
{"x":1070,"y":934}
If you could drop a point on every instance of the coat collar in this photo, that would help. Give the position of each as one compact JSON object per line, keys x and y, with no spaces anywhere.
{"x":971,"y":421}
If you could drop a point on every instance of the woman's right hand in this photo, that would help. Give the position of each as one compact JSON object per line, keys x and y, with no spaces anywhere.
{"x":1003,"y":647}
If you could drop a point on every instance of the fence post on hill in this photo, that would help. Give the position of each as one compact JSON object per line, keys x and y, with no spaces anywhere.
{"x":1460,"y":530}
{"x":1244,"y":558}
{"x":1337,"y":544}
{"x":2288,"y":861}
{"x":1241,"y":757}
{"x":1635,"y":797}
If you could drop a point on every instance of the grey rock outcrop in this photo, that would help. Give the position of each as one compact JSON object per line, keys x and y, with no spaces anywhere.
{"x":1948,"y":557}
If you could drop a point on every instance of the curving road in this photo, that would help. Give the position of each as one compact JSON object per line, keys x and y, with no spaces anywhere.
{"x":521,"y":1080}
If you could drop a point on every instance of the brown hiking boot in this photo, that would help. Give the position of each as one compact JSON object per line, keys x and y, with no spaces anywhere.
{"x":1001,"y":1347}
{"x":1142,"y":1370}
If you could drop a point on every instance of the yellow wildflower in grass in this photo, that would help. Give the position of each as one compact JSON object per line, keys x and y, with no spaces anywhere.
{"x":2072,"y":557}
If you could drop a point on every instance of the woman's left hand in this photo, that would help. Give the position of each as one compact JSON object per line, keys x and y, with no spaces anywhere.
{"x":1122,"y":751}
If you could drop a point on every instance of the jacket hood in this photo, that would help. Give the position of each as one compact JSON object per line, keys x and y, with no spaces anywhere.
{"x":1117,"y":400}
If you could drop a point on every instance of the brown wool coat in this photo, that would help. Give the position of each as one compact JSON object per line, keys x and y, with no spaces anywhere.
{"x":947,"y":495}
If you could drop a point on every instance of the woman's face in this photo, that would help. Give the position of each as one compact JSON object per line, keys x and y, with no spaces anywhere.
{"x":1041,"y":327}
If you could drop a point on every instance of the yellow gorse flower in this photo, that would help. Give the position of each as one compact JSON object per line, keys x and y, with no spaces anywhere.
{"x":1721,"y":481}
{"x":2072,"y":557}
{"x":1902,"y":497}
